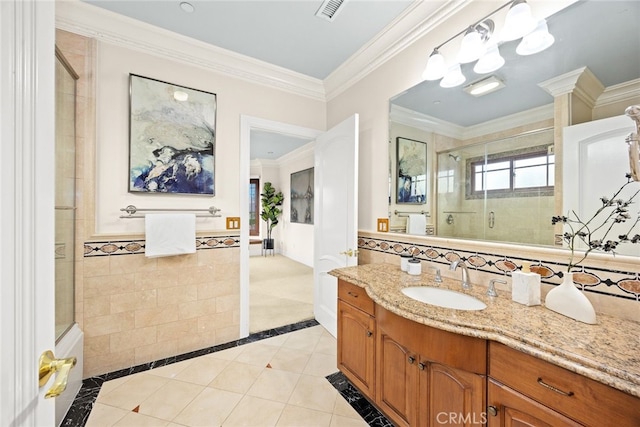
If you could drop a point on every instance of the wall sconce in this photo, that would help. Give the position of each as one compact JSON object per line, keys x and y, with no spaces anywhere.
{"x":479,"y":44}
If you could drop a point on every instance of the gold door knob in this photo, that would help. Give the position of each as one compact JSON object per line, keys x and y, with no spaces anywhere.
{"x":350,"y":252}
{"x":48,"y":364}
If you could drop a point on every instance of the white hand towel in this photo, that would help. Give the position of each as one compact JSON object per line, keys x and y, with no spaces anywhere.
{"x":170,"y":234}
{"x":417,"y":224}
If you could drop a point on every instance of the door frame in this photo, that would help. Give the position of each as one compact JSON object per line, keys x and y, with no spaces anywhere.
{"x":27,"y":105}
{"x":248,"y":123}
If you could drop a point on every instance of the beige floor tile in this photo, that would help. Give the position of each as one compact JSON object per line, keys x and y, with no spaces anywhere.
{"x":340,"y":421}
{"x":133,"y":419}
{"x":257,"y":354}
{"x":295,"y":416}
{"x":171,"y":370}
{"x":343,"y":409}
{"x":131,"y":393}
{"x":253,"y":411}
{"x":237,"y":377}
{"x":314,"y":393}
{"x":327,"y":344}
{"x":290,"y":359}
{"x":228,"y":354}
{"x":321,"y":365}
{"x":108,"y":386}
{"x":170,"y":399}
{"x":302,"y":340}
{"x":105,"y":415}
{"x":203,"y":370}
{"x":209,"y":408}
{"x":275,"y":385}
{"x":276,"y":341}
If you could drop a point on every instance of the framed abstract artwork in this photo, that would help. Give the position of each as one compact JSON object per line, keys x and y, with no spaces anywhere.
{"x":172,"y":138}
{"x":302,"y":196}
{"x":411,"y":165}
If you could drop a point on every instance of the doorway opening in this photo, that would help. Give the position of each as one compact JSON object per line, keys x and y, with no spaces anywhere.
{"x":274,"y":292}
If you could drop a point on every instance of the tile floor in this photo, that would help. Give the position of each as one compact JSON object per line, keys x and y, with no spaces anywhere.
{"x":277,"y":381}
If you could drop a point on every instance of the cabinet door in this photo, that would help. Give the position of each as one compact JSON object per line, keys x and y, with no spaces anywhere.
{"x":356,"y":344}
{"x":456,"y":397}
{"x":510,"y":408}
{"x":396,"y":379}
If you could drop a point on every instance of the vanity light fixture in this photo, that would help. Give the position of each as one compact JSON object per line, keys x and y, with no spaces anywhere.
{"x":453,"y":78}
{"x":473,"y":42}
{"x":519,"y":21}
{"x":536,"y":41}
{"x":436,"y":67}
{"x":479,"y":43}
{"x":484,"y":86}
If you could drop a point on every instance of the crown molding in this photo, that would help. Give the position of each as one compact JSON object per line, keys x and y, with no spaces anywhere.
{"x":627,"y":91}
{"x":417,"y":20}
{"x":428,"y":123}
{"x":103,"y":25}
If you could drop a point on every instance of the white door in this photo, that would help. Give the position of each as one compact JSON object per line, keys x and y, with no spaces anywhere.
{"x":595,"y":161}
{"x":26,"y":208}
{"x":336,"y":215}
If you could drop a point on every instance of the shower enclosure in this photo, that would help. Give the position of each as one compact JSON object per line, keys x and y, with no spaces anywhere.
{"x":69,"y":338}
{"x":65,"y":209}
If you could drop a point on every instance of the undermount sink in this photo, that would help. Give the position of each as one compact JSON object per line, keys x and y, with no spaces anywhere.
{"x":444,"y":298}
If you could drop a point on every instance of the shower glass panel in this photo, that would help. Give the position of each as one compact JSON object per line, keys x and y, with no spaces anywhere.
{"x":65,"y":209}
{"x":485,"y":189}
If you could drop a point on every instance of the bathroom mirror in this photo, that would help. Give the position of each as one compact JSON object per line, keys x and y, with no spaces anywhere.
{"x":513,"y":127}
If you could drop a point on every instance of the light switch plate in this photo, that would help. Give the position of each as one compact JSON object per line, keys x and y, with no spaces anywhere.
{"x":233,"y":223}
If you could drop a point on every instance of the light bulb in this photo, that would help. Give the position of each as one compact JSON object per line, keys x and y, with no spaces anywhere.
{"x":436,"y":67}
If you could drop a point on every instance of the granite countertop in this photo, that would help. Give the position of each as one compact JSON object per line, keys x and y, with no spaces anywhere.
{"x":608,"y":352}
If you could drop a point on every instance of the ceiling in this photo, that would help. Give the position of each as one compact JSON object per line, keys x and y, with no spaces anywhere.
{"x":603,"y":35}
{"x":282,"y":33}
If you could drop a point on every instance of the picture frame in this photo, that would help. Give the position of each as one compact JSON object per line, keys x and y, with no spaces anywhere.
{"x":302,"y":184}
{"x":172,"y":138}
{"x":411,"y":167}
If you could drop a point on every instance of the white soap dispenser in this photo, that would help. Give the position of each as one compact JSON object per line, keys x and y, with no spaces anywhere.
{"x":525,"y":286}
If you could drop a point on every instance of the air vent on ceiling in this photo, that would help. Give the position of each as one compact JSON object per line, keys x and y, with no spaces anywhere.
{"x":329,"y":9}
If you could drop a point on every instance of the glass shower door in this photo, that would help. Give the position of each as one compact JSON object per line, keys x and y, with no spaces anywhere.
{"x":65,"y":209}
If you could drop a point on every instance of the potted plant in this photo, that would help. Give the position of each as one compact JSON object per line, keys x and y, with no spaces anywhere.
{"x":271,"y":202}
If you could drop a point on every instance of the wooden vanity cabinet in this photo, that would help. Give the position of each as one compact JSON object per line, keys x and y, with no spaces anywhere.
{"x":532,"y":391}
{"x":356,"y":337}
{"x":427,"y":376}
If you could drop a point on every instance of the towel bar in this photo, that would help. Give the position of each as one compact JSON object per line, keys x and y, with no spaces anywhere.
{"x":131,"y":210}
{"x":400,"y":213}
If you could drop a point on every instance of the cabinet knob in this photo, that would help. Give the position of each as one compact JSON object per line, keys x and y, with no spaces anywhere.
{"x":369,"y":333}
{"x":421,"y":366}
{"x":493,"y":411}
{"x":411,"y":360}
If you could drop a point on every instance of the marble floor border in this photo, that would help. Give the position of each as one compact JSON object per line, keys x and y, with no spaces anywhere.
{"x":78,"y":414}
{"x":363,"y":407}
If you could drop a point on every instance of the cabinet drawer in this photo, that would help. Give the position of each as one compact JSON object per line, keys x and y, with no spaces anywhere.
{"x":578,"y":397}
{"x":355,"y":295}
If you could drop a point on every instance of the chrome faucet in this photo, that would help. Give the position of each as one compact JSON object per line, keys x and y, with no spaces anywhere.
{"x":465,"y":272}
{"x":438,"y":278}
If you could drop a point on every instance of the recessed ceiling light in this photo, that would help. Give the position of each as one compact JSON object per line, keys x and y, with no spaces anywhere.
{"x":187,"y":7}
{"x":484,"y":86}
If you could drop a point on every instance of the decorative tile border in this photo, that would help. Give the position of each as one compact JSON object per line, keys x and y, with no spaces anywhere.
{"x":620,"y":284}
{"x":130,"y":247}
